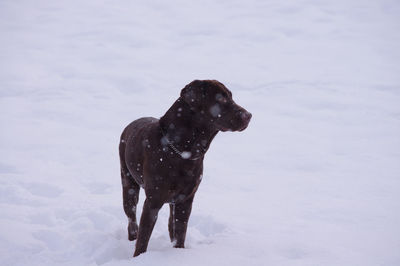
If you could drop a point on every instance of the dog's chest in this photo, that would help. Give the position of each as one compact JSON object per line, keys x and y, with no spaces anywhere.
{"x":179,"y":180}
{"x":182,"y":188}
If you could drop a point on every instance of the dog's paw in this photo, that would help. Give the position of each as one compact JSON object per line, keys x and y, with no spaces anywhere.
{"x":132,"y":231}
{"x":181,"y":245}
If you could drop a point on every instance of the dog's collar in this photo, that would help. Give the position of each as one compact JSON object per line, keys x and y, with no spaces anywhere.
{"x":184,"y":154}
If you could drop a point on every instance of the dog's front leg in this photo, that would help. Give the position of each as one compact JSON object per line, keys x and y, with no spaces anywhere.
{"x":178,"y":221}
{"x":147,"y":221}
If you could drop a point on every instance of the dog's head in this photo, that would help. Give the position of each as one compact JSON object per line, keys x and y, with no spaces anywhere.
{"x":213,"y":102}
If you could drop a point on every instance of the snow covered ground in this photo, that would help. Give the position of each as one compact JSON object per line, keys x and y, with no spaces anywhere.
{"x":314,"y":180}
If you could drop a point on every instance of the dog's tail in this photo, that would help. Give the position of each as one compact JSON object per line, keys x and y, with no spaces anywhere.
{"x":122,"y":148}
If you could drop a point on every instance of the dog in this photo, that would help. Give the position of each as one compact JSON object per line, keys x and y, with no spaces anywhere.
{"x":165,"y":157}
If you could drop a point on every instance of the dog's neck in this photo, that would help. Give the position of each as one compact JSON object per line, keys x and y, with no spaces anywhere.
{"x":186,"y":130}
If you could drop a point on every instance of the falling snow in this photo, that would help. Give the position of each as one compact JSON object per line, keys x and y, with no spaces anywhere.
{"x":186,"y":154}
{"x":314,"y":180}
{"x":215,"y":110}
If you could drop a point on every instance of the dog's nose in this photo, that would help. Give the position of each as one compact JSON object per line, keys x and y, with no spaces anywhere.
{"x":246,"y":115}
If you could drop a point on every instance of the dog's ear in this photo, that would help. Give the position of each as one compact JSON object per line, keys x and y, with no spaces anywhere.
{"x":194,"y":93}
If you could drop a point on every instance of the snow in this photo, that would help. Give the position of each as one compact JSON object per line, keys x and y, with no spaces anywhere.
{"x":215,"y":110}
{"x":313,"y":180}
{"x":186,"y":154}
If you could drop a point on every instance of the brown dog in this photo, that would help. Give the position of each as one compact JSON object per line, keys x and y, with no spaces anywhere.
{"x":165,"y":156}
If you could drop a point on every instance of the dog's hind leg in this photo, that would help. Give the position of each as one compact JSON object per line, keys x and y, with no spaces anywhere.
{"x":130,"y":196}
{"x":130,"y":199}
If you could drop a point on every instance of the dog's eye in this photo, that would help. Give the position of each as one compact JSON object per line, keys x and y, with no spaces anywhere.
{"x":220,"y":98}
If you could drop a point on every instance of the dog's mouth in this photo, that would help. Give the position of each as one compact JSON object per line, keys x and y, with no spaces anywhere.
{"x":225,"y":129}
{"x":239,"y":129}
{"x":240,"y":123}
{"x":244,"y":127}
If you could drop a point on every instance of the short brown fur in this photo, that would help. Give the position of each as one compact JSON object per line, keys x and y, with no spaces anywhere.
{"x":165,"y":157}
